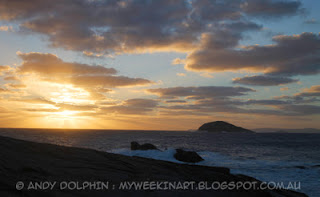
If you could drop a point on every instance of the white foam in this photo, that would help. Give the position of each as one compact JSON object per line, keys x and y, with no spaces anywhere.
{"x":278,"y":171}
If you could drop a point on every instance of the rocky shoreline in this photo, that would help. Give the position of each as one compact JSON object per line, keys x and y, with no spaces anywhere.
{"x":30,"y":162}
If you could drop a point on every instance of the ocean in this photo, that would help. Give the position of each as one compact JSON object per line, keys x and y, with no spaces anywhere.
{"x":273,"y":157}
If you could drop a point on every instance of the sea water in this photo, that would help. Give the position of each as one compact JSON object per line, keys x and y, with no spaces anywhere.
{"x":275,"y":157}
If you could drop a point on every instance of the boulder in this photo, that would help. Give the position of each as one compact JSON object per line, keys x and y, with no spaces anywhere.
{"x":187,"y":156}
{"x":147,"y":146}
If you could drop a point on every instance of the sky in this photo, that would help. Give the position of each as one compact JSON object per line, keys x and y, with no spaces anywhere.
{"x":159,"y":65}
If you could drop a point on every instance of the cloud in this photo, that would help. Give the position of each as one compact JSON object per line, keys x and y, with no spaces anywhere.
{"x":11,"y":78}
{"x":4,"y":69}
{"x":284,"y":89}
{"x":270,"y":8}
{"x":177,"y":61}
{"x":301,"y":109}
{"x":73,"y":107}
{"x":271,"y":102}
{"x":91,"y":77}
{"x":219,"y":99}
{"x":209,"y":109}
{"x":206,"y":75}
{"x":49,"y":64}
{"x":311,"y":21}
{"x":307,"y":96}
{"x":6,"y":28}
{"x":142,"y":102}
{"x":2,"y":90}
{"x":200,"y":92}
{"x":105,"y":81}
{"x":58,"y":106}
{"x":181,"y":74}
{"x":103,"y":27}
{"x":16,"y":86}
{"x":133,"y":107}
{"x":45,"y":110}
{"x":35,"y":101}
{"x":289,"y":55}
{"x":271,"y":107}
{"x":312,"y":91}
{"x":176,"y":101}
{"x":264,"y":80}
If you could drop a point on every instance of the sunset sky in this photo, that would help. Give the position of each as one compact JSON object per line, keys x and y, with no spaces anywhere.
{"x":160,"y":65}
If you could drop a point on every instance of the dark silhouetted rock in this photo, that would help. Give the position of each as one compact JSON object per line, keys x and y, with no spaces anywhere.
{"x":187,"y":156}
{"x":137,"y":146}
{"x":221,"y":126}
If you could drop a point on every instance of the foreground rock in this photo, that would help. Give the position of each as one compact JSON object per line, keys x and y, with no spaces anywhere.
{"x":221,"y":126}
{"x":147,"y":146}
{"x":187,"y":156}
{"x":31,"y":162}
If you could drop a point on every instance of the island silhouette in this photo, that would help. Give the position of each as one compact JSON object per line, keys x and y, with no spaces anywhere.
{"x":221,"y":126}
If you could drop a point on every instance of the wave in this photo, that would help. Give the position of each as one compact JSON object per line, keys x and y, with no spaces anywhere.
{"x":265,"y":170}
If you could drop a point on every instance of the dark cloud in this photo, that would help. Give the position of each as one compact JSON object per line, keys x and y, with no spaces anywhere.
{"x":200,"y":92}
{"x":214,"y":99}
{"x":290,"y":55}
{"x":301,"y":109}
{"x":269,"y":107}
{"x":210,"y":109}
{"x":134,"y":26}
{"x":264,"y":80}
{"x":270,"y":8}
{"x":147,"y":103}
{"x":106,"y":81}
{"x":176,"y":101}
{"x":271,"y":102}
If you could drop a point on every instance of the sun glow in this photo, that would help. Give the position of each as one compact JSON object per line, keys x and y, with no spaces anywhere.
{"x":60,"y":103}
{"x":71,"y":95}
{"x":57,"y":92}
{"x":66,"y":119}
{"x":66,"y":114}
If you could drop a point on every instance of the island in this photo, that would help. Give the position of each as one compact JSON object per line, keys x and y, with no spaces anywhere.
{"x":221,"y":126}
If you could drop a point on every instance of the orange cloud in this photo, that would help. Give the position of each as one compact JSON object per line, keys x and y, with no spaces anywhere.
{"x":95,"y":79}
{"x":49,"y":64}
{"x":312,"y":91}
